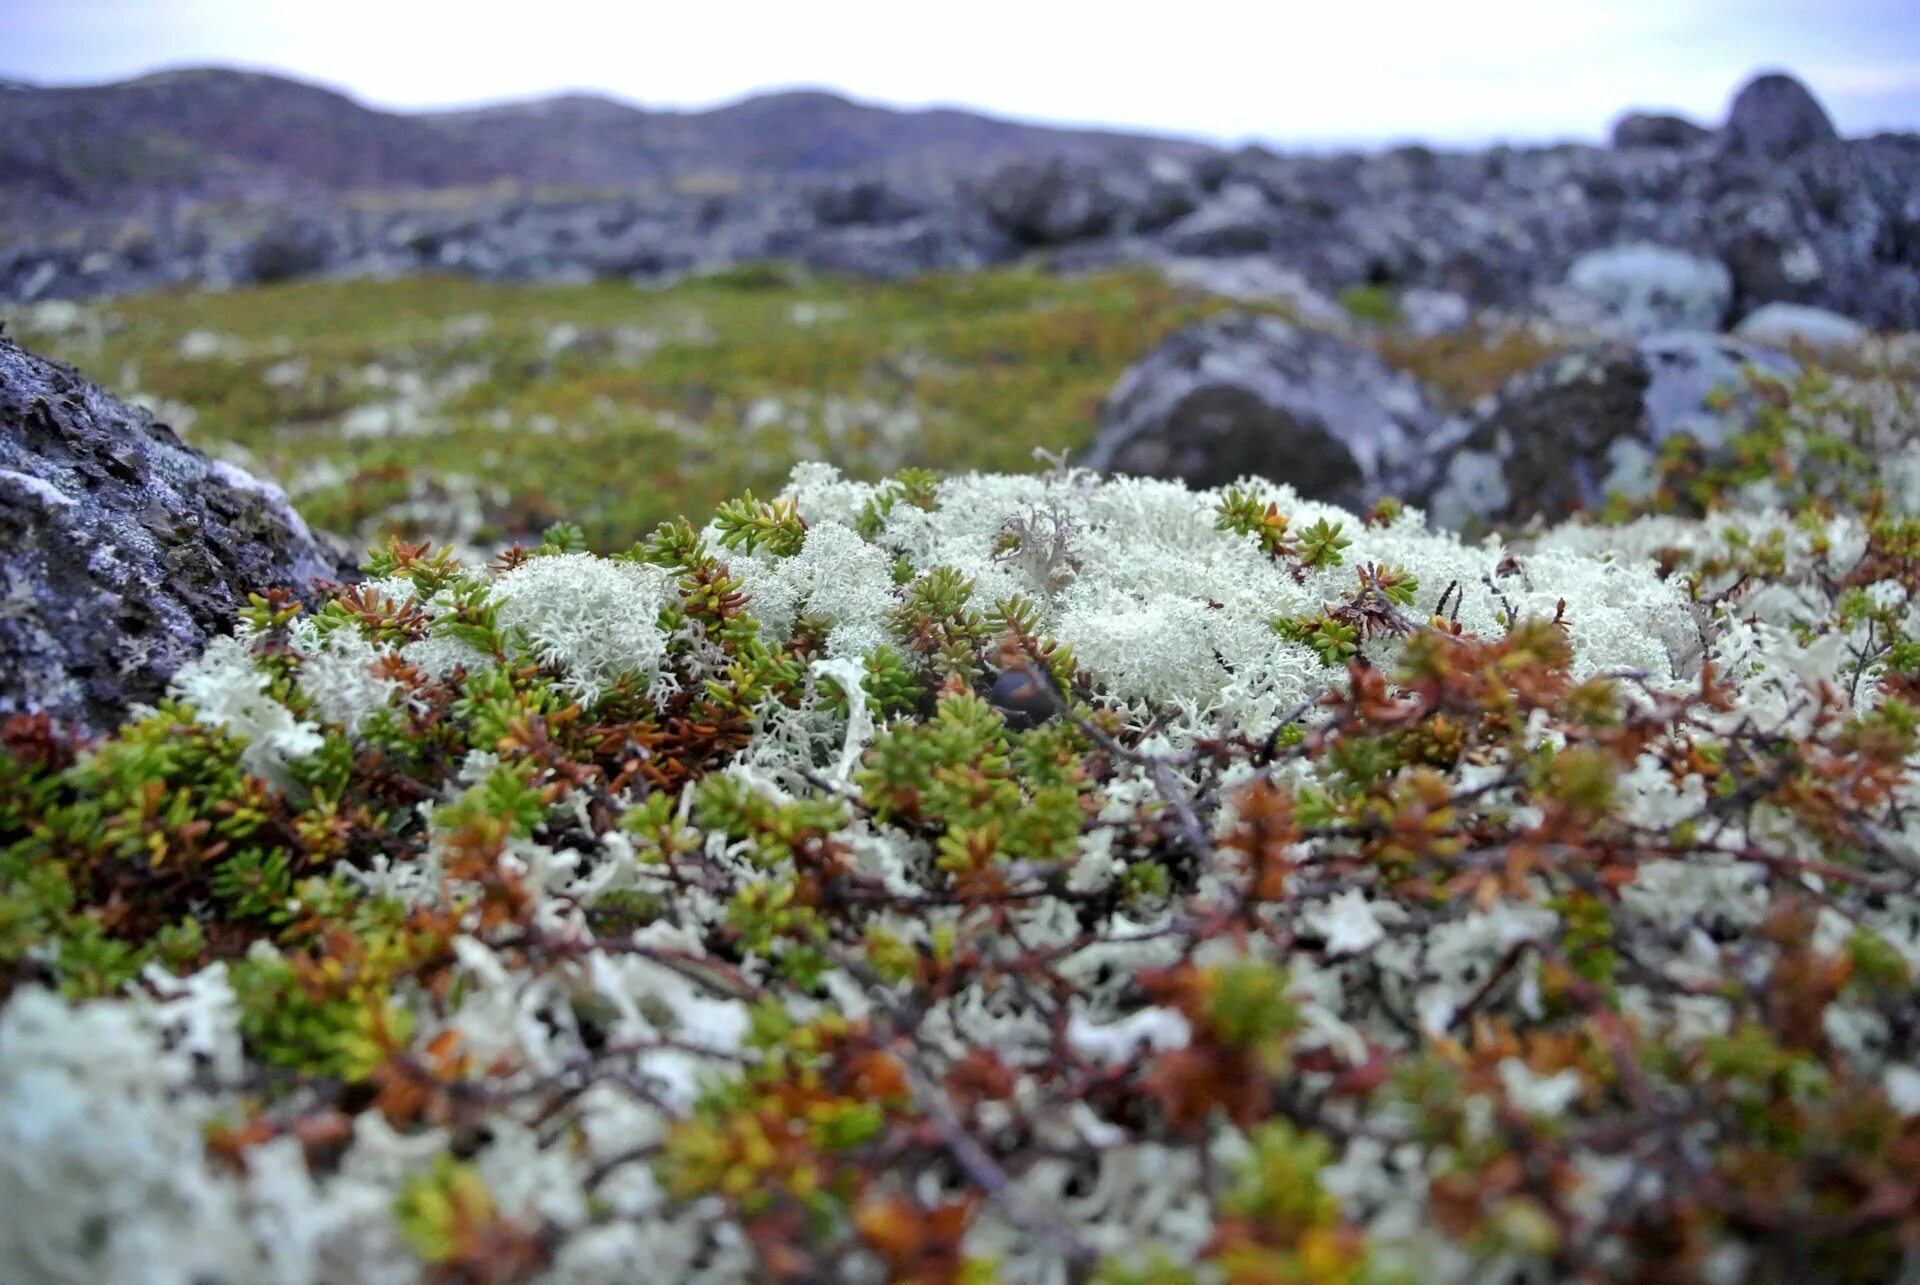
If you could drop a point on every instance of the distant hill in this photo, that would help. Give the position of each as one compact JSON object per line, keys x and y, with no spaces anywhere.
{"x":217,"y":132}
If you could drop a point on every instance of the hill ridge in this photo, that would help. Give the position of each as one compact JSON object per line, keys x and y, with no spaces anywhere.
{"x":223,"y":131}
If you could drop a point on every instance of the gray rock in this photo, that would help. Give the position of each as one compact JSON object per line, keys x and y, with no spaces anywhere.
{"x":1243,"y":394}
{"x":1258,"y":279}
{"x":1564,"y":436}
{"x":1237,"y":221}
{"x":1770,"y":247}
{"x":1773,"y":116}
{"x":125,"y":551}
{"x":289,"y":247}
{"x":1645,"y":289}
{"x":1656,"y":131}
{"x":1778,"y":325}
{"x":1050,"y":202}
{"x":1165,"y":194}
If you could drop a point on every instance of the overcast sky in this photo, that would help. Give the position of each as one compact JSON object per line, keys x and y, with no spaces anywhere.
{"x":1289,"y":71}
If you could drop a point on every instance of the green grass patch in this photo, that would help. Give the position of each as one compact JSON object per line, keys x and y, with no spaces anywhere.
{"x":431,"y":407}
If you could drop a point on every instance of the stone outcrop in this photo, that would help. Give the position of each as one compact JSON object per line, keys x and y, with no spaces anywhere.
{"x":1774,"y":116}
{"x":1589,"y":423}
{"x":1050,"y":202}
{"x":1243,"y":393}
{"x":122,"y":550}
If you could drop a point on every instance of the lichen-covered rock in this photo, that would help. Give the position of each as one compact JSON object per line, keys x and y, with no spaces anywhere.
{"x":126,"y":551}
{"x":1049,"y":202}
{"x":1836,"y":226}
{"x":1567,"y":434}
{"x":1656,"y":131}
{"x":290,"y":246}
{"x":1773,"y":116}
{"x":1238,"y":221}
{"x":1644,"y":288}
{"x":1241,"y":394}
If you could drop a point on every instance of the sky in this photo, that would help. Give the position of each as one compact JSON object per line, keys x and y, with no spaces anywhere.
{"x":1322,"y":72}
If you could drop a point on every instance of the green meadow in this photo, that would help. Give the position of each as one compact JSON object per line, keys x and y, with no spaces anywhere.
{"x":436,"y":406}
{"x":447,"y":408}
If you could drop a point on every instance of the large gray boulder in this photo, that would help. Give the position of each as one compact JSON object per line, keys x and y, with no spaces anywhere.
{"x":1243,"y":394}
{"x":1837,"y":226}
{"x":1773,"y":116}
{"x":1588,"y":424}
{"x":122,"y":550}
{"x":1059,"y":202}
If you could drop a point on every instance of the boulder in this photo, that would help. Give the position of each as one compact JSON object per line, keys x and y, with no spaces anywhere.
{"x":1587,"y":424}
{"x":1237,"y":221}
{"x":1049,"y":202}
{"x":290,"y":246}
{"x":1243,"y":394}
{"x":1645,"y":289}
{"x":1780,"y":325}
{"x":1167,"y":192}
{"x":1773,"y":116}
{"x":1770,"y":245}
{"x":125,"y":551}
{"x":1656,"y":132}
{"x":1861,"y":205}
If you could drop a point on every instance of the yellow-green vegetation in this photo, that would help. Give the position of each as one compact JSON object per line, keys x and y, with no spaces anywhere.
{"x":429,"y":407}
{"x":1461,"y":366}
{"x":1376,"y":305}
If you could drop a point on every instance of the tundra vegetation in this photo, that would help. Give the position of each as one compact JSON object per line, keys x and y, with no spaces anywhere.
{"x":442,"y":408}
{"x":969,"y":875}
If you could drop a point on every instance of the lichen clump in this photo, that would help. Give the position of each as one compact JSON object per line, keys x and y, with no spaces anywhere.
{"x":1031,"y":878}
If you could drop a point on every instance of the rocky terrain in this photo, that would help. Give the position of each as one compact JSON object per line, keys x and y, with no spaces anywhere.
{"x":208,"y":161}
{"x":1772,"y":206}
